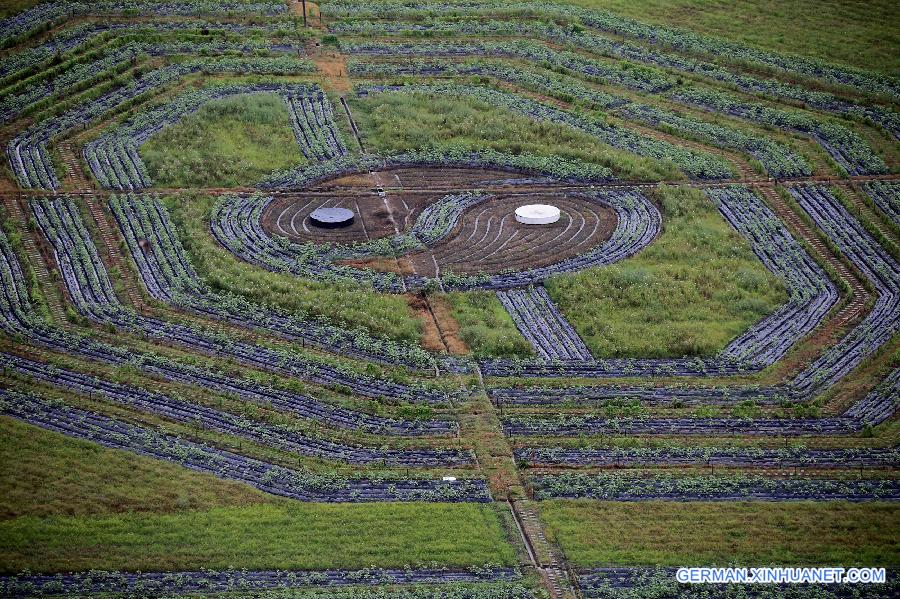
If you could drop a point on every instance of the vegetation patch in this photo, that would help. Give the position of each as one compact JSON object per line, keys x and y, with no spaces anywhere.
{"x":44,"y":473}
{"x":486,"y":326}
{"x":344,"y":304}
{"x":396,"y":122}
{"x":688,"y":293}
{"x":758,"y":533}
{"x":281,"y":535}
{"x":227,"y":143}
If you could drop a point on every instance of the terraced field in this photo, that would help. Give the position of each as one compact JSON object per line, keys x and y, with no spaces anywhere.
{"x":205,"y":392}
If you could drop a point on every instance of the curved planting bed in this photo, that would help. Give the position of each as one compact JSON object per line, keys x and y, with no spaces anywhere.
{"x":166,"y":271}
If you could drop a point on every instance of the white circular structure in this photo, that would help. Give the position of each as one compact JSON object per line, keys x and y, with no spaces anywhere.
{"x":537,"y":214}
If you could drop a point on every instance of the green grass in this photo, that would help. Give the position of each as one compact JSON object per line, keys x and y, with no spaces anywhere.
{"x":485,"y":326}
{"x":595,"y":533}
{"x":858,"y":33}
{"x":379,"y":313}
{"x":691,"y":291}
{"x":396,"y":122}
{"x":231,"y":142}
{"x":286,"y":535}
{"x":43,"y":473}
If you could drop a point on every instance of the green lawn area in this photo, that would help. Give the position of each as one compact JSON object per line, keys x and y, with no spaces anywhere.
{"x":486,"y":326}
{"x":597,"y":533}
{"x":379,"y":313}
{"x":396,"y":122}
{"x":231,"y":142}
{"x":44,"y":473}
{"x":283,"y":535}
{"x":689,"y":292}
{"x":864,"y":34}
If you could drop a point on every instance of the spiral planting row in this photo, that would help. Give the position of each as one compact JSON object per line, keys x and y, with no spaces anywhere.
{"x":846,"y":147}
{"x":778,"y":160}
{"x":882,"y":271}
{"x":666,"y":61}
{"x":695,"y":164}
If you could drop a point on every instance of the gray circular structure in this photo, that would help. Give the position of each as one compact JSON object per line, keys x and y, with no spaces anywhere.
{"x":331,"y":218}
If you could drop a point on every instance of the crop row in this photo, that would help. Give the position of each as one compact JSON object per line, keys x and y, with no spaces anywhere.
{"x":877,"y":406}
{"x":312,"y":119}
{"x":542,"y":324}
{"x":639,"y":581}
{"x":734,"y":487}
{"x":600,"y":395}
{"x":552,"y":84}
{"x":886,"y":195}
{"x":28,"y":152}
{"x":79,"y":75}
{"x":177,"y":409}
{"x":19,"y":317}
{"x":624,"y":50}
{"x":158,"y":584}
{"x":277,"y":480}
{"x":779,"y":161}
{"x":48,"y":13}
{"x":810,"y":292}
{"x":90,"y":289}
{"x":678,"y":39}
{"x":846,"y":147}
{"x":776,"y":159}
{"x":114,"y":158}
{"x":168,"y":275}
{"x":695,"y":164}
{"x":882,"y":271}
{"x":448,"y":156}
{"x":729,"y":457}
{"x":79,"y":39}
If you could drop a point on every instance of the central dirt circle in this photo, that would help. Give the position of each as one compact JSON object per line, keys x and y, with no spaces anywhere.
{"x":487,"y":238}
